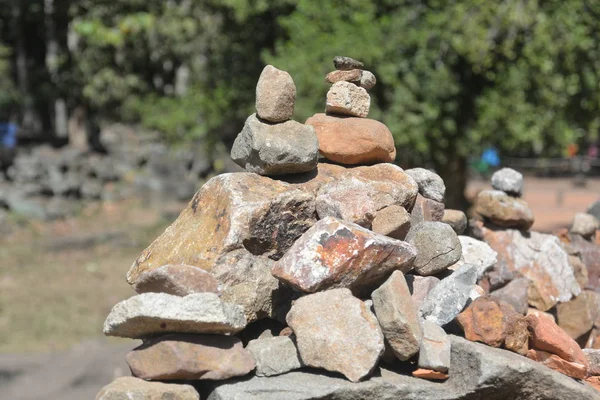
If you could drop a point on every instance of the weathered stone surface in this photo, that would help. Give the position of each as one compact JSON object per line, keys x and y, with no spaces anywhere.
{"x":159,"y":313}
{"x":128,"y":387}
{"x":456,"y":219}
{"x":351,"y":141}
{"x":478,"y":372}
{"x":590,"y":255}
{"x":336,"y":331}
{"x":435,"y":348}
{"x":514,"y":293}
{"x":478,"y":253}
{"x":274,"y":356}
{"x":397,"y":316}
{"x":179,"y":357}
{"x":572,"y":369}
{"x":426,"y":210}
{"x":593,"y":341}
{"x":585,"y":225}
{"x":230,"y":212}
{"x":594,"y":209}
{"x":484,"y":321}
{"x":178,"y":280}
{"x":346,"y":98}
{"x":392,"y":221}
{"x":343,"y":63}
{"x":367,"y":80}
{"x":538,"y":257}
{"x":431,"y":186}
{"x":247,"y":281}
{"x":504,"y":210}
{"x":420,"y":286}
{"x":593,"y":358}
{"x":517,"y":335}
{"x":579,"y":270}
{"x":535,"y":311}
{"x":429,"y":374}
{"x":509,"y":181}
{"x":357,"y":199}
{"x":593,"y":381}
{"x":437,"y":246}
{"x":275,"y":95}
{"x":351,"y":75}
{"x":448,"y":298}
{"x":334,"y":254}
{"x":276,"y":149}
{"x":547,"y":336}
{"x":577,"y":317}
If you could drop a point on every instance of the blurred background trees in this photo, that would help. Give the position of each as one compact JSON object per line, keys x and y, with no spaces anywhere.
{"x":453,"y":77}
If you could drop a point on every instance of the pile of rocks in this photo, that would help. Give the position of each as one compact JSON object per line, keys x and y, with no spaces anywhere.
{"x":263,"y":284}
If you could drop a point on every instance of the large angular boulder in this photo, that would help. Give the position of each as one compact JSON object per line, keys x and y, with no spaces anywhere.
{"x":128,"y":387}
{"x":182,"y":357}
{"x":437,"y":246}
{"x":230,"y":212}
{"x":337,"y":254}
{"x":275,"y":95}
{"x":151,"y":314}
{"x":266,"y":149}
{"x":352,"y":140}
{"x":397,"y":316}
{"x":504,"y":210}
{"x":538,"y":257}
{"x":336,"y":331}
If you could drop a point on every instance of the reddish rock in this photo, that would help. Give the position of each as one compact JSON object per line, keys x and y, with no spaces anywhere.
{"x":392,"y":221}
{"x":577,"y":317}
{"x":484,"y":321}
{"x":178,"y":280}
{"x":504,"y":210}
{"x":231,"y":211}
{"x":352,"y":75}
{"x":517,"y":336}
{"x":549,"y":337}
{"x":426,"y":210}
{"x":346,"y":98}
{"x":351,"y":140}
{"x":429,"y":374}
{"x":180,"y":356}
{"x":334,"y":254}
{"x":572,"y":369}
{"x":593,"y":381}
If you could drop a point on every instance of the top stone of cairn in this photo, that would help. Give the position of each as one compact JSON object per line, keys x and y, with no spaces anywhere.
{"x":346,"y":63}
{"x":275,"y":95}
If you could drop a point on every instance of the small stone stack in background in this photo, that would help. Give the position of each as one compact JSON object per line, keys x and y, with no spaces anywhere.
{"x":271,"y":143}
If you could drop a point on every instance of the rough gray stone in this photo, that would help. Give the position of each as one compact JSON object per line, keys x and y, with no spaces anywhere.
{"x":477,"y":372}
{"x":346,"y":98}
{"x":274,"y":356}
{"x":178,"y":280}
{"x":337,"y":332}
{"x":515,"y":294}
{"x":275,"y":95}
{"x":346,"y":63}
{"x":478,"y":253}
{"x":437,"y":246}
{"x":593,"y":357}
{"x":397,"y":316}
{"x":584,"y":224}
{"x":286,"y":148}
{"x":159,"y":313}
{"x":130,"y":388}
{"x":448,"y":298}
{"x":430,"y":184}
{"x":456,"y":219}
{"x":435,"y":348}
{"x":367,"y":80}
{"x":594,"y":210}
{"x":509,"y":181}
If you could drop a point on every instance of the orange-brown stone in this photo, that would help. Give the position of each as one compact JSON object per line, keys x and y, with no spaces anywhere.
{"x":572,"y":369}
{"x":483,"y":321}
{"x":429,"y":374}
{"x":593,"y":381}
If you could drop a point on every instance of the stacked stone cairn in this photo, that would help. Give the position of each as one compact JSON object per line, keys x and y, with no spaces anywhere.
{"x":347,"y":278}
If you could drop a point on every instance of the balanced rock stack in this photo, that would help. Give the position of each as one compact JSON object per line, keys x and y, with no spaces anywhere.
{"x":269,"y":278}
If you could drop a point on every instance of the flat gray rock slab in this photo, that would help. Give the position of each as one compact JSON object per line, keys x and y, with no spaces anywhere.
{"x":478,"y":372}
{"x":274,"y":356}
{"x":152,"y":314}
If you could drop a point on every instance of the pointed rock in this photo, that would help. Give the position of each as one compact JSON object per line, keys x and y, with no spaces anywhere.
{"x":337,"y":332}
{"x":151,"y":314}
{"x":334,"y":254}
{"x":397,"y":316}
{"x":182,"y":357}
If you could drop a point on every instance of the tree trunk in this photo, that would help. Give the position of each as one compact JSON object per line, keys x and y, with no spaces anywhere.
{"x":454,"y":174}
